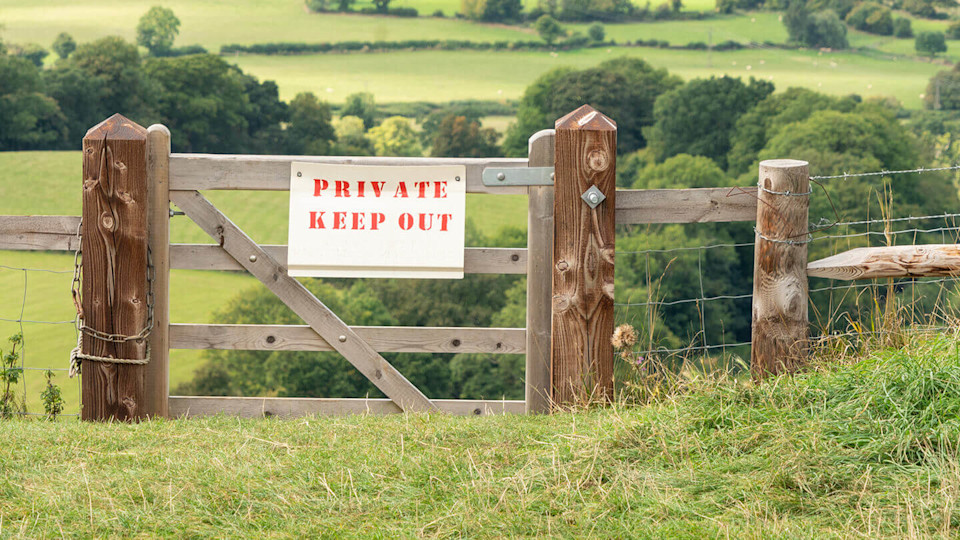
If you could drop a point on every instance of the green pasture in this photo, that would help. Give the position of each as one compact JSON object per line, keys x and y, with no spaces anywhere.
{"x":48,"y":183}
{"x":212,"y":23}
{"x":744,"y":28}
{"x":400,"y":76}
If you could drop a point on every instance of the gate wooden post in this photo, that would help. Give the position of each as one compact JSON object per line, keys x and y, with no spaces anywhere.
{"x":157,"y":389}
{"x":114,"y":285}
{"x":583,"y":252}
{"x":780,"y":290}
{"x":539,"y":276}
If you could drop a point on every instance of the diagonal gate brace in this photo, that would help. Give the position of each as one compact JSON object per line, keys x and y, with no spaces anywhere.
{"x":323,"y":321}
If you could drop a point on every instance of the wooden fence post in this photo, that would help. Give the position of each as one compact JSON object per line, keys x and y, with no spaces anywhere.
{"x":114,"y":285}
{"x":157,"y":389}
{"x":583,"y":253}
{"x":780,"y":290}
{"x":539,"y":276}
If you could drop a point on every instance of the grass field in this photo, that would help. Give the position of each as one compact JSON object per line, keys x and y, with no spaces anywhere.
{"x":399,"y":76}
{"x":54,"y":189}
{"x":867,"y":450}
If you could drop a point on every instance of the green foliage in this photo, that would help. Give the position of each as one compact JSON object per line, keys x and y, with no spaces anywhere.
{"x":624,"y":89}
{"x":501,"y":10}
{"x":362,"y":106}
{"x":31,"y":51}
{"x":351,"y":137}
{"x":10,"y":374}
{"x":395,"y":137}
{"x":729,"y":6}
{"x":819,"y":29}
{"x":596,"y":32}
{"x":64,"y":45}
{"x":943,"y":91}
{"x":902,"y":28}
{"x":383,"y":6}
{"x":549,"y":29}
{"x":930,"y":43}
{"x":595,"y":10}
{"x":953,"y":31}
{"x":310,"y":131}
{"x":157,"y":29}
{"x":871,"y":17}
{"x":457,"y":136}
{"x":699,"y":117}
{"x":52,"y":398}
{"x":202,"y":102}
{"x":758,"y":125}
{"x":114,"y":65}
{"x":28,"y":118}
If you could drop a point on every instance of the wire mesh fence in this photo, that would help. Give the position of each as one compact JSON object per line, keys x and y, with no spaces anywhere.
{"x":36,"y":329}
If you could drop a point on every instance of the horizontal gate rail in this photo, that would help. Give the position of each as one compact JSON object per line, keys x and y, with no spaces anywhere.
{"x":272,"y":173}
{"x":33,"y":233}
{"x":288,"y":407}
{"x":213,"y":257}
{"x":414,"y":339}
{"x":691,"y":205}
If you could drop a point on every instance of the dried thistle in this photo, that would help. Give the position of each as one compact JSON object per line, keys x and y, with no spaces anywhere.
{"x":624,"y":336}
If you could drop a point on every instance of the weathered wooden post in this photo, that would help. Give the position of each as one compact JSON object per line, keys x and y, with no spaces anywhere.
{"x":157,"y":388}
{"x":116,"y":296}
{"x":780,"y":291}
{"x":583,"y":253}
{"x":539,"y":276}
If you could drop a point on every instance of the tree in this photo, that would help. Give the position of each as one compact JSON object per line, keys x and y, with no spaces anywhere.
{"x":310,"y":131}
{"x":456,"y":136}
{"x":157,"y":30}
{"x":699,"y":117}
{"x":623,"y":88}
{"x":502,"y":10}
{"x":902,"y":28}
{"x":943,"y":91}
{"x":953,"y":31}
{"x":930,"y":43}
{"x":116,"y":66}
{"x":345,"y":5}
{"x":202,"y":101}
{"x":758,"y":125}
{"x":383,"y":6}
{"x":395,"y":137}
{"x":362,"y":106}
{"x":871,"y":17}
{"x":31,"y":51}
{"x":29,"y":120}
{"x":64,"y":45}
{"x":549,"y":29}
{"x":821,"y":29}
{"x":596,"y":32}
{"x":351,"y":137}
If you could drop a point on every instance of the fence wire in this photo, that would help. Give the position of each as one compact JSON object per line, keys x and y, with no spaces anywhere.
{"x":20,"y":321}
{"x":839,"y":309}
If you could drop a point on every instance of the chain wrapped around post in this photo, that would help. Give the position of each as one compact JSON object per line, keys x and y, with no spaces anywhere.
{"x":76,"y":355}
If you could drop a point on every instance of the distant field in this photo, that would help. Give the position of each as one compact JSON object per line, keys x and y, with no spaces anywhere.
{"x":501,"y":75}
{"x":759,"y":27}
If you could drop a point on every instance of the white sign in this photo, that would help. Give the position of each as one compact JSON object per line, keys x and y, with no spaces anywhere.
{"x":376,"y":221}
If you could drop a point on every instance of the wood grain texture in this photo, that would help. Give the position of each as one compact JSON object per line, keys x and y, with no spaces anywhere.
{"x":254,"y":407}
{"x":33,"y":233}
{"x":272,"y":173}
{"x":422,"y":339}
{"x":583,"y":252}
{"x":272,"y":274}
{"x":115,"y":202}
{"x":780,"y":320}
{"x":934,"y":260}
{"x":157,"y":384}
{"x":475,"y":260}
{"x":696,"y":205}
{"x":539,"y":277}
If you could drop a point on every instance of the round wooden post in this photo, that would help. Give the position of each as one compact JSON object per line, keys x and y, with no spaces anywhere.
{"x":583,"y":252}
{"x":157,"y":389}
{"x":539,"y":276}
{"x":780,"y":291}
{"x":114,"y":287}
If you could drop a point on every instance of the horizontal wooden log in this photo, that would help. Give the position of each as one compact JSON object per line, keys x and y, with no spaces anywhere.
{"x":696,"y":205}
{"x":272,"y":173}
{"x":213,"y":257}
{"x":934,"y":260}
{"x":53,"y":233}
{"x":255,"y":407}
{"x":265,"y":337}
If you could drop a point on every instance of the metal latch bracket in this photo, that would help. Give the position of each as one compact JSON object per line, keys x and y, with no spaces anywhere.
{"x":518,"y":176}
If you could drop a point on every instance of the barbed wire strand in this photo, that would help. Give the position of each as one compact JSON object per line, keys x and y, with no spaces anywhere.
{"x":919,"y":170}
